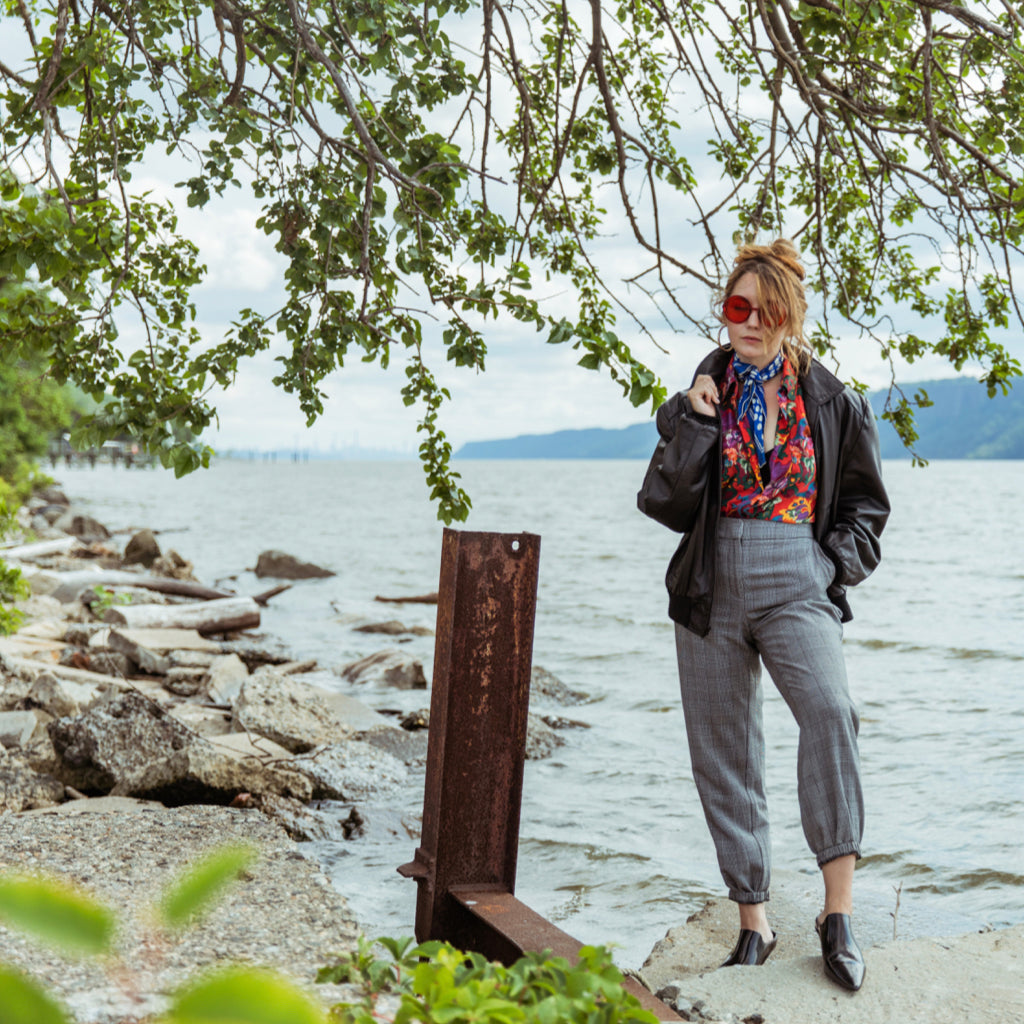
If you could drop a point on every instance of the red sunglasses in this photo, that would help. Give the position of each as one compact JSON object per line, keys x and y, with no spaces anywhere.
{"x":736,"y":309}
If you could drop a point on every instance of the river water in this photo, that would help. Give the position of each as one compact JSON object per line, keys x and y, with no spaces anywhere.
{"x":613,"y":846}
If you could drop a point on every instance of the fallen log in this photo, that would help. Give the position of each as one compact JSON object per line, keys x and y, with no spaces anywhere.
{"x":71,"y":584}
{"x":220,"y":616}
{"x":418,"y":599}
{"x":41,"y":549}
{"x":262,"y":599}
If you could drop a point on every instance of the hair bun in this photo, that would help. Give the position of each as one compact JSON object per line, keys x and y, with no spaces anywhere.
{"x":782,"y":252}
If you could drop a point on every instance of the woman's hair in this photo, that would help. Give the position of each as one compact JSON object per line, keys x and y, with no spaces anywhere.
{"x":780,"y":283}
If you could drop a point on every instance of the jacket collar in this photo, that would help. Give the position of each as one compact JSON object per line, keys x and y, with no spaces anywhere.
{"x":818,"y":384}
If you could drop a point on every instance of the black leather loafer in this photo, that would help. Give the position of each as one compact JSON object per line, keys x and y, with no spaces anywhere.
{"x":750,"y":950}
{"x":844,"y":963}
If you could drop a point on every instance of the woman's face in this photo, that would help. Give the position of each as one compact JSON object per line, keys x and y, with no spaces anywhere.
{"x":751,"y":340}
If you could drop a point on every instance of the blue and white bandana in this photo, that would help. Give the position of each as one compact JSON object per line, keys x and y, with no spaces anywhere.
{"x":751,"y":403}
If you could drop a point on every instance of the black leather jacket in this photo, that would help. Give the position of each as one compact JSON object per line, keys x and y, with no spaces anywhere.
{"x":682,"y":489}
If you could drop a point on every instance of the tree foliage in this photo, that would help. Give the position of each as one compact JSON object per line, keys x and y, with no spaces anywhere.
{"x":423,"y":170}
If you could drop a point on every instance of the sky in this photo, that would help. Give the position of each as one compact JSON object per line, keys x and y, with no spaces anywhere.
{"x":529,"y":387}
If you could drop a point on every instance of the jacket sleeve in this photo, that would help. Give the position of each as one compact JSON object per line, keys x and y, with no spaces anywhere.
{"x":862,"y":505}
{"x":678,"y":472}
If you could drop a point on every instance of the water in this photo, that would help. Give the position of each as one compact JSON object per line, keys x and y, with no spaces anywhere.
{"x":613,"y":845}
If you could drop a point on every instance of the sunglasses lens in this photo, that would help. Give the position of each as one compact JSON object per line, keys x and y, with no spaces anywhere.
{"x":736,"y":309}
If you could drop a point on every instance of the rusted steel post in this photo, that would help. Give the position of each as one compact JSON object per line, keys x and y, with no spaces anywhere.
{"x":465,"y":865}
{"x":478,"y":711}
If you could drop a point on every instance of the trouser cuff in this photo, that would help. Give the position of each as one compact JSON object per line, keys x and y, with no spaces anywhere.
{"x":842,"y":850}
{"x":740,"y":896}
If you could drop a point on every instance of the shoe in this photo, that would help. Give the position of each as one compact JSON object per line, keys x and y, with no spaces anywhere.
{"x":844,"y":963}
{"x":750,"y":950}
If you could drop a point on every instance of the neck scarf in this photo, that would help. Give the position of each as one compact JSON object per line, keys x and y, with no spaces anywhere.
{"x":751,"y":403}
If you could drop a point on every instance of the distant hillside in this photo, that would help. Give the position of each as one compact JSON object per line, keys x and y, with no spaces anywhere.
{"x":635,"y":442}
{"x":964,"y":423}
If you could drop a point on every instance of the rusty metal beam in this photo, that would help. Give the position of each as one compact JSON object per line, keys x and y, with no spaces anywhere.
{"x":465,"y":865}
{"x":483,"y":658}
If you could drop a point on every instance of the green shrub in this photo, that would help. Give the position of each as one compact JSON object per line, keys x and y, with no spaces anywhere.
{"x":438,"y":984}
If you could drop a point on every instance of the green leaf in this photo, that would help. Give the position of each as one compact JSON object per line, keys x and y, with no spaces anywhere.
{"x":193,"y":894}
{"x":56,"y":912}
{"x":22,"y":1001}
{"x":244,"y":996}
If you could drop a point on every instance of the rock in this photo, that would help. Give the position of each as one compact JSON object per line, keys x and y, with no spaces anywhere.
{"x":52,"y":495}
{"x":142,"y":658}
{"x":226,"y":675}
{"x":351,"y":771}
{"x":48,"y":693}
{"x":408,"y":747}
{"x":387,"y":668}
{"x":130,"y":746}
{"x":558,"y":722}
{"x":22,"y":789}
{"x":142,"y":549}
{"x":546,"y":686}
{"x":204,"y":773}
{"x":186,"y":681}
{"x":392,"y":628}
{"x":80,"y":634}
{"x":16,"y":728}
{"x":173,"y":565}
{"x":104,"y":662}
{"x":283,"y":566}
{"x":541,"y":739}
{"x":82,"y":526}
{"x":286,"y":711}
{"x":191,"y":659}
{"x":204,"y":721}
{"x":302,"y":823}
{"x":414,"y":721}
{"x":114,"y":740}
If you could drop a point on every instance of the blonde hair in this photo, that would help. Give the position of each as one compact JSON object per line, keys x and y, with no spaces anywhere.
{"x":780,"y":277}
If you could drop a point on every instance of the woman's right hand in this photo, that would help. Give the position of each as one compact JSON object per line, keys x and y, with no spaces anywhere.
{"x":703,"y":396}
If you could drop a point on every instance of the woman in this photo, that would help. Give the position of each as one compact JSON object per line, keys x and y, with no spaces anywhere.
{"x":770,"y":468}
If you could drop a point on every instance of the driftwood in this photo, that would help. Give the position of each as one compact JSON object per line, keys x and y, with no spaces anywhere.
{"x":71,"y":584}
{"x":419,"y":599}
{"x":41,"y":549}
{"x":220,"y":616}
{"x":262,"y":599}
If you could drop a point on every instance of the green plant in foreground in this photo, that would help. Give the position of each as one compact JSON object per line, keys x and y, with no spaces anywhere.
{"x":63,"y":916}
{"x":438,"y":984}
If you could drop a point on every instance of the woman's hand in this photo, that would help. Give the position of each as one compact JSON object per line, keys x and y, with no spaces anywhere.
{"x":703,"y":396}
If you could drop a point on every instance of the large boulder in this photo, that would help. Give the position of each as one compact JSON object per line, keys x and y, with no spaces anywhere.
{"x":130,"y":746}
{"x":286,"y":711}
{"x":115,"y":739}
{"x":351,"y":771}
{"x":281,"y":565}
{"x":142,"y":549}
{"x":208,"y":773}
{"x":387,"y":668}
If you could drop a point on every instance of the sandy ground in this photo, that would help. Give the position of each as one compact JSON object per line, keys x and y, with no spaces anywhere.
{"x":977,"y":977}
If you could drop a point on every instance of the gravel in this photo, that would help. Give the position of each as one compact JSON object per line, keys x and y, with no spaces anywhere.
{"x":282,"y":914}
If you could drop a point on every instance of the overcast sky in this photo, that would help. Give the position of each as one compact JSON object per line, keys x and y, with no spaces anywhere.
{"x":528,"y":387}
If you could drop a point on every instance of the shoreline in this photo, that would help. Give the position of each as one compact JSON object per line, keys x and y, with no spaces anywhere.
{"x":732,"y":993}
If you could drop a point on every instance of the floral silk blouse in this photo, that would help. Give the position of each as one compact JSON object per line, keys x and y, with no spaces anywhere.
{"x":789,"y":494}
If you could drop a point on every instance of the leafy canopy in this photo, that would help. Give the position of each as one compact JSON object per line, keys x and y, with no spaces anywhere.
{"x":424,"y":169}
